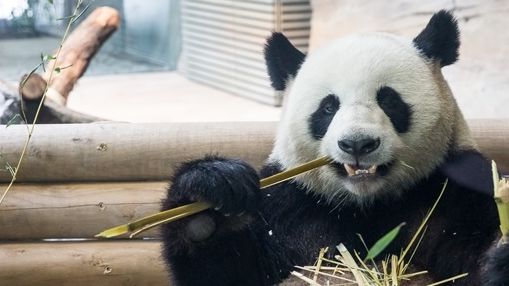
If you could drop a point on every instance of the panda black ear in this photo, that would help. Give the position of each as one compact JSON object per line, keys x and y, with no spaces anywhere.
{"x":440,"y":39}
{"x":282,"y":59}
{"x":469,"y":169}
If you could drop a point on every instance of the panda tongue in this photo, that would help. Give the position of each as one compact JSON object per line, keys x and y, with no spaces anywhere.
{"x":356,"y":170}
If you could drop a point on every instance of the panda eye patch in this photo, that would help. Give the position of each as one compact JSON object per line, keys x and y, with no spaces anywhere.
{"x":395,"y":108}
{"x":320,"y":119}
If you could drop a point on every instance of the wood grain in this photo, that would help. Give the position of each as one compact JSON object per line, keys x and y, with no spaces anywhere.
{"x":80,"y":210}
{"x":85,"y":263}
{"x":128,"y":152}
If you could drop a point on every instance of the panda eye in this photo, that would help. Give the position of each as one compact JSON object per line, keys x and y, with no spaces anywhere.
{"x":329,"y":109}
{"x":330,"y":105}
{"x":321,"y":118}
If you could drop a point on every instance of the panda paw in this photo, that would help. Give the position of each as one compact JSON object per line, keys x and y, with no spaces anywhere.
{"x":497,"y":266}
{"x":230,"y":186}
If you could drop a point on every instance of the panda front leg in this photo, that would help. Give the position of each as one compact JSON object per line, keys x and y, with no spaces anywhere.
{"x":217,"y":246}
{"x":496,"y":266}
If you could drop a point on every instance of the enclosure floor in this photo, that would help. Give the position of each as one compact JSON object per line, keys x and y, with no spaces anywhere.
{"x":163,"y":97}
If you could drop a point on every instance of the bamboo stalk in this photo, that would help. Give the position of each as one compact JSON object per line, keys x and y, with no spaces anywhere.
{"x":501,"y":196}
{"x":151,"y":221}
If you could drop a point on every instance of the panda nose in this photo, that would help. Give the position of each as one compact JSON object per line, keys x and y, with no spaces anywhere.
{"x":359,"y":147}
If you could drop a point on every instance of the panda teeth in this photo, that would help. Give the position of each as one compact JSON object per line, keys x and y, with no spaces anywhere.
{"x":352,"y":171}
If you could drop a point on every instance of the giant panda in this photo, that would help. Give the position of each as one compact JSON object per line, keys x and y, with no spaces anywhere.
{"x":379,"y":106}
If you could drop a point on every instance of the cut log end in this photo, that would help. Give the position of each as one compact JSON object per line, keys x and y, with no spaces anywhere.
{"x":107,"y":17}
{"x":32,"y":88}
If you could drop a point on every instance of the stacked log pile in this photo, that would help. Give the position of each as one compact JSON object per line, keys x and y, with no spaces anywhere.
{"x":79,"y":179}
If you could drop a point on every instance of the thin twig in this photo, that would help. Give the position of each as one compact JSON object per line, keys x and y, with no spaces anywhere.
{"x":31,"y":131}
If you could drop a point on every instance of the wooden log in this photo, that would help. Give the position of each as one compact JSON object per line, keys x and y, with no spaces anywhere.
{"x":32,"y":88}
{"x":84,"y":263}
{"x":79,"y":49}
{"x":492,"y":136}
{"x":54,"y":113}
{"x":51,"y":112}
{"x":76,"y":210}
{"x":128,"y":152}
{"x":134,"y":152}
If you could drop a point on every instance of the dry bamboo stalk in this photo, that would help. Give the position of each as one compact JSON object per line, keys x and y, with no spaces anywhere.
{"x":149,"y":222}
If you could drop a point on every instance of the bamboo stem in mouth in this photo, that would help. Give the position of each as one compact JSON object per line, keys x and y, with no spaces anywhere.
{"x":148,"y":222}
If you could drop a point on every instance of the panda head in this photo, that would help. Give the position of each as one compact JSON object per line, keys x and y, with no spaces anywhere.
{"x":377,"y":104}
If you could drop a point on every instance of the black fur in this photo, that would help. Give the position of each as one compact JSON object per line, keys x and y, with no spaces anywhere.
{"x":440,"y":39}
{"x":282,"y":59}
{"x":292,"y":225}
{"x":322,"y":117}
{"x":231,"y":185}
{"x":395,"y":108}
{"x":469,"y":168}
{"x":497,"y":265}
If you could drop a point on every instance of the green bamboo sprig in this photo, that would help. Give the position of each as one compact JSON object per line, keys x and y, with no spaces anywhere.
{"x":167,"y":216}
{"x":501,"y":195}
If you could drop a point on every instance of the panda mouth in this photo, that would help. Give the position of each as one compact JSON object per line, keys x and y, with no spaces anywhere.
{"x":361,"y":171}
{"x":356,"y":170}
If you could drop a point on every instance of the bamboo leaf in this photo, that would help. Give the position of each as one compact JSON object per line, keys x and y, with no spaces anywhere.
{"x":383,"y":242}
{"x":59,"y":69}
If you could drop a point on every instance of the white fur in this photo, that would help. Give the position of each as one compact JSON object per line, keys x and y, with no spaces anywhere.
{"x":354,"y":68}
